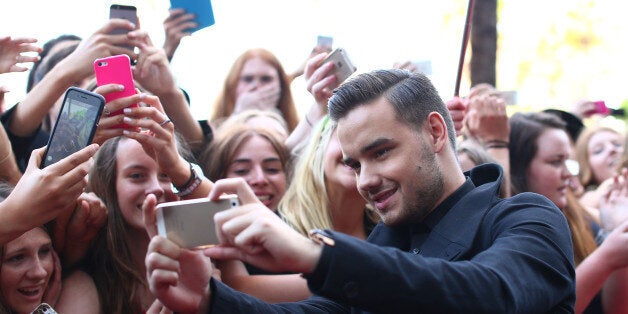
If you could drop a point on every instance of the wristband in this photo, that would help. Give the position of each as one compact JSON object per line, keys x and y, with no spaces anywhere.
{"x":196,"y":177}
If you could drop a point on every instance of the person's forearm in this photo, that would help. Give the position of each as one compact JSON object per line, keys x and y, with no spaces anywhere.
{"x":305,"y":126}
{"x":614,"y":292}
{"x":178,"y":111}
{"x":31,"y":111}
{"x":269,"y":288}
{"x":590,"y":277}
{"x":8,"y":167}
{"x":10,"y":225}
{"x":502,"y":156}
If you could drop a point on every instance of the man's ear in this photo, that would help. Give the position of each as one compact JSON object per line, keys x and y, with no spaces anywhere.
{"x":438,"y":131}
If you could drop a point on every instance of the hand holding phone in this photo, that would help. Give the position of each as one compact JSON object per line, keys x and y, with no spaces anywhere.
{"x":343,"y":68}
{"x":75,"y":125}
{"x":190,"y":223}
{"x":202,"y":10}
{"x":115,"y":70}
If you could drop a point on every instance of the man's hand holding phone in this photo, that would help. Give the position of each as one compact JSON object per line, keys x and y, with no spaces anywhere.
{"x":256,"y":235}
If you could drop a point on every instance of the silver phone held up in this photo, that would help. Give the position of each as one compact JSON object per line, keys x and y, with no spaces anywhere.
{"x":343,"y":68}
{"x":190,"y":223}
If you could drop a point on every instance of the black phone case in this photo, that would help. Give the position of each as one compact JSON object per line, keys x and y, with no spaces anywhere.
{"x":77,"y":128}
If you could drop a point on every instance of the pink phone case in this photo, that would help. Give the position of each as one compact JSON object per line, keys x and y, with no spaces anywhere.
{"x":115,"y":70}
{"x":600,"y":107}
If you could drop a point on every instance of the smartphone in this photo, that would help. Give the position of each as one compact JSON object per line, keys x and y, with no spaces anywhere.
{"x":601,"y":108}
{"x":126,"y":12}
{"x":75,"y":126}
{"x":44,"y":308}
{"x":423,"y":66}
{"x":509,"y":96}
{"x":343,"y":68}
{"x":190,"y":223}
{"x":324,"y":41}
{"x":202,"y":9}
{"x":115,"y":69}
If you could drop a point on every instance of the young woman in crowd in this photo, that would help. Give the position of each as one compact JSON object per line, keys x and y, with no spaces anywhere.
{"x":30,"y":272}
{"x":126,"y":170}
{"x":323,"y":192}
{"x":256,"y":80}
{"x":598,"y":151}
{"x":257,"y":154}
{"x":540,"y":149}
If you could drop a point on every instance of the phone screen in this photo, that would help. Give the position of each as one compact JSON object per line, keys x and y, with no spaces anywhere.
{"x":75,"y":125}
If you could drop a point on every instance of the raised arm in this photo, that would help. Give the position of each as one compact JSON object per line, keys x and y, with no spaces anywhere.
{"x":71,"y":70}
{"x":153,"y":72}
{"x":8,"y":167}
{"x":320,"y":84}
{"x":175,"y":26}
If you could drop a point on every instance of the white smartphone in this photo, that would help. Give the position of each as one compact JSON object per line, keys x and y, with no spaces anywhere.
{"x":190,"y":223}
{"x":324,"y":41}
{"x":423,"y":66}
{"x":509,"y":96}
{"x":343,"y":68}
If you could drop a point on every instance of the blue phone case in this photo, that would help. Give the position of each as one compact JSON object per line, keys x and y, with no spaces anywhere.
{"x":202,"y":9}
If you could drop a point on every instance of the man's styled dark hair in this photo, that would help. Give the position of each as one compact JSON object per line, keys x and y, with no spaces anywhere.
{"x":412,"y":96}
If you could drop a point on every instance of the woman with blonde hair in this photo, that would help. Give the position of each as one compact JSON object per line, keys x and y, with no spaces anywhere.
{"x":323,"y":193}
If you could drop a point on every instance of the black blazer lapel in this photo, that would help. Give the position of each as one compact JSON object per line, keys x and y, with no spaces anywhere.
{"x":453,"y":235}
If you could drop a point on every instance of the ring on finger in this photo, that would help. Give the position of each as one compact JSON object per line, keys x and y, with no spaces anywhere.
{"x":107,"y":112}
{"x":165,"y":122}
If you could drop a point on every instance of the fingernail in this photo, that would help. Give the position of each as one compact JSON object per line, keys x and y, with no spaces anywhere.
{"x":142,"y":95}
{"x":121,"y":87}
{"x":126,"y":132}
{"x":127,"y":120}
{"x":127,"y":110}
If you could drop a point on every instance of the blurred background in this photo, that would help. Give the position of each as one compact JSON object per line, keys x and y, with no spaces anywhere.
{"x":552,"y":53}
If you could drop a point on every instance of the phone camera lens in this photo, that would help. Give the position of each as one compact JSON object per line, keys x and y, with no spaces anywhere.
{"x":99,"y":64}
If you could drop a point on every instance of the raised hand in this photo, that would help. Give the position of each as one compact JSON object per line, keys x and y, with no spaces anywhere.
{"x":12,"y":53}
